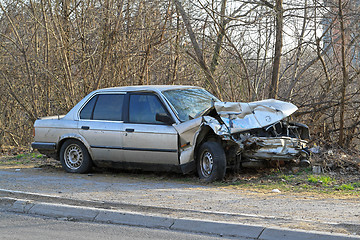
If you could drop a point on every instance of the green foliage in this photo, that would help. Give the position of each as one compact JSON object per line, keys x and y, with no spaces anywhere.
{"x":325,"y":180}
{"x":307,"y":170}
{"x":36,"y":155}
{"x":345,"y":187}
{"x":312,"y":179}
{"x":287,"y":177}
{"x":300,"y":181}
{"x":20,"y":156}
{"x":305,"y":186}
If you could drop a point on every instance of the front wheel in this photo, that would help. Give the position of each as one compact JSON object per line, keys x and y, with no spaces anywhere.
{"x":74,"y":157}
{"x":211,"y":162}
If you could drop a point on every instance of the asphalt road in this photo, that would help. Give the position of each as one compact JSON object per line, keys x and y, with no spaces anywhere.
{"x":175,"y":199}
{"x":18,"y":227}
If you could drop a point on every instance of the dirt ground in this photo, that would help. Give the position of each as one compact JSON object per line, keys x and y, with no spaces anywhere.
{"x":277,"y":197}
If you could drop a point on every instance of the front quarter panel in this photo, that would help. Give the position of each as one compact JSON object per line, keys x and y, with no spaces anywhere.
{"x":188,"y":132}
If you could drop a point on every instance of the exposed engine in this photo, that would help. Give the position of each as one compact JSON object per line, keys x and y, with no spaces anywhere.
{"x":282,"y":141}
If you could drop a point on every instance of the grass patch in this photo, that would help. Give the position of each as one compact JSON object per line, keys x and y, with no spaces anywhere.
{"x":325,"y":180}
{"x":20,"y":156}
{"x":21,"y":159}
{"x":299,"y":182}
{"x":345,"y":187}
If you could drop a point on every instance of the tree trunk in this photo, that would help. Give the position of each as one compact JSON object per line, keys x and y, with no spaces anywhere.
{"x":344,"y":73}
{"x":273,"y":90}
{"x":220,"y":37}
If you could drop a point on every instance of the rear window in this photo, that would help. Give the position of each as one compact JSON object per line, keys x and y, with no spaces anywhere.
{"x":86,"y":112}
{"x":108,"y":107}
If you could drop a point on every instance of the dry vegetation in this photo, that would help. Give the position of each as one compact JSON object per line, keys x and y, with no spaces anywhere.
{"x":53,"y":53}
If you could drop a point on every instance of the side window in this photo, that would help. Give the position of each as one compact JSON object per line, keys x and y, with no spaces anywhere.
{"x":143,"y":108}
{"x":109,"y":107}
{"x":86,"y":112}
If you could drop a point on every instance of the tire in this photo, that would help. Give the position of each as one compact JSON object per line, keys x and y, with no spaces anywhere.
{"x":74,"y":157}
{"x":211,"y":162}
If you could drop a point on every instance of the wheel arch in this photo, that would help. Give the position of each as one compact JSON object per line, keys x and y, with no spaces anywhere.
{"x":78,"y":137}
{"x":204,"y":135}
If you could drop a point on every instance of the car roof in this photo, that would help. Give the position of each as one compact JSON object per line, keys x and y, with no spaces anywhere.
{"x":154,"y":88}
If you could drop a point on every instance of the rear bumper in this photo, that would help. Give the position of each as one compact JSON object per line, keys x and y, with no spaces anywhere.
{"x":48,"y":149}
{"x":44,"y":146}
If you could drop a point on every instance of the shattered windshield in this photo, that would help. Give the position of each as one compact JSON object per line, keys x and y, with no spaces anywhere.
{"x":190,"y":103}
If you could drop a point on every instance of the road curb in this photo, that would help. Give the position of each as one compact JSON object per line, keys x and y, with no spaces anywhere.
{"x":218,"y":228}
{"x":278,"y":233}
{"x":76,"y":213}
{"x":134,"y":219}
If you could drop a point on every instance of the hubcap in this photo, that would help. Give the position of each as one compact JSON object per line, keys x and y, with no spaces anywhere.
{"x":206,"y":164}
{"x":73,"y":156}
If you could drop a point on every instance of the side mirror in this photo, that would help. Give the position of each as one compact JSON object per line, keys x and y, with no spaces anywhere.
{"x":164,"y":118}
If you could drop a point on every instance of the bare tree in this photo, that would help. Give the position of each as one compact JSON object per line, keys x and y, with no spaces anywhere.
{"x":198,"y":52}
{"x":53,"y":53}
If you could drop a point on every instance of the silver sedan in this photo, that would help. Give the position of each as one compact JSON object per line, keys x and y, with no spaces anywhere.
{"x":171,"y":128}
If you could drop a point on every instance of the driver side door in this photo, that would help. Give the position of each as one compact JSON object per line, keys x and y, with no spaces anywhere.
{"x":147,"y":140}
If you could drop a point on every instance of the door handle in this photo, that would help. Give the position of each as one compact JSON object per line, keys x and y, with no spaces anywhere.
{"x":129,"y":130}
{"x":85,"y":127}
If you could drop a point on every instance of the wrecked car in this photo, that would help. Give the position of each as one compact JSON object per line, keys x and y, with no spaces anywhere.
{"x":171,"y":128}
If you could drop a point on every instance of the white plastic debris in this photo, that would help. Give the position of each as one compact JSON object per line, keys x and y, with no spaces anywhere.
{"x":317,"y":169}
{"x":17,"y":170}
{"x":276,"y":190}
{"x":315,"y":150}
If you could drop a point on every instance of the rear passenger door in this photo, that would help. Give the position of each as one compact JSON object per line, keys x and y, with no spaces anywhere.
{"x":147,"y":140}
{"x":101,"y":124}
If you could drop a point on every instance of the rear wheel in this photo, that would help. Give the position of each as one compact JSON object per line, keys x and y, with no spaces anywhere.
{"x":74,"y":157}
{"x":211,"y":162}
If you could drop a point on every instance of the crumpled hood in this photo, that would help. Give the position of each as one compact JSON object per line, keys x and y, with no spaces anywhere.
{"x":240,"y":116}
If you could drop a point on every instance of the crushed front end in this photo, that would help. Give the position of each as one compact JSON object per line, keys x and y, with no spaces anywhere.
{"x":257,"y":134}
